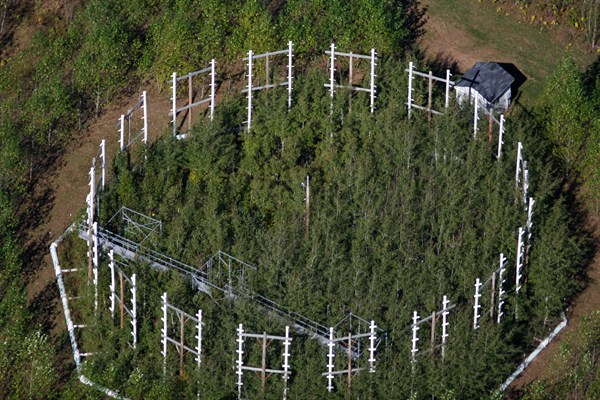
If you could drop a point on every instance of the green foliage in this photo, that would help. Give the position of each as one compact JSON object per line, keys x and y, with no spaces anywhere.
{"x":567,"y":115}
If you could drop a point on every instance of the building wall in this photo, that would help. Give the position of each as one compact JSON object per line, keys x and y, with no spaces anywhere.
{"x":465,"y":94}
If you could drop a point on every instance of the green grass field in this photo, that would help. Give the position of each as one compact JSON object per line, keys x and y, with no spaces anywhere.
{"x":481,"y":31}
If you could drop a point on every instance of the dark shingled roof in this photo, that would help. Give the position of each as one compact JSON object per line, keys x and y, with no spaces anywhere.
{"x":487,"y":78}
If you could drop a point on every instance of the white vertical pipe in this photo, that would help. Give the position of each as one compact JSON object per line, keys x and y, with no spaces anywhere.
{"x":95,"y":262}
{"x":212,"y":89}
{"x":529,"y":223}
{"x":410,"y":80}
{"x":525,"y":182}
{"x":249,"y":90}
{"x":174,"y":103}
{"x":92,"y":192}
{"x":372,"y":91}
{"x":286,"y":354}
{"x":476,"y":115}
{"x":330,"y":356}
{"x":133,"y":310}
{"x":113,"y":286}
{"x":122,"y":137}
{"x":290,"y":66}
{"x":445,"y":324}
{"x":145,"y":117}
{"x":331,"y":71}
{"x":199,"y":338}
{"x":500,"y":136}
{"x":415,"y":339}
{"x":476,"y":306}
{"x":240,"y":360}
{"x":103,"y":155}
{"x":372,"y":339}
{"x":447,"y":99}
{"x":518,"y":168}
{"x":164,"y":332}
{"x":501,"y":292}
{"x":518,"y":274}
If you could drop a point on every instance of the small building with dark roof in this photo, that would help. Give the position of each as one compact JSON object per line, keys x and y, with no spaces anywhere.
{"x":489,"y":83}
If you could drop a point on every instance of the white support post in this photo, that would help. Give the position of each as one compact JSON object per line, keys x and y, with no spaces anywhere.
{"x":240,"y":360}
{"x":529,"y":223}
{"x":290,"y":67}
{"x":212,"y":89}
{"x":331,"y":72}
{"x":113,"y":283}
{"x":372,"y":339}
{"x":372,"y":88}
{"x":133,"y":310}
{"x":500,"y":136}
{"x":174,"y":103}
{"x":445,"y":323}
{"x":410,"y":81}
{"x":199,"y":338}
{"x":163,"y":332}
{"x":447,"y":97}
{"x":330,"y":365}
{"x":520,"y":248}
{"x":286,"y":356}
{"x":518,"y":168}
{"x":103,"y":155}
{"x":501,"y":292}
{"x":92,"y":193}
{"x":525,"y":182}
{"x":145,"y":117}
{"x":122,"y":133}
{"x":95,"y":262}
{"x":249,"y":90}
{"x":476,"y":306}
{"x":415,"y":339}
{"x":475,"y":114}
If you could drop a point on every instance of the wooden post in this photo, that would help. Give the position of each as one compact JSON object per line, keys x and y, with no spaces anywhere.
{"x":181,"y":342}
{"x":429,"y":99}
{"x":190,"y":98}
{"x":122,"y":295}
{"x":267,"y":71}
{"x":433,"y":332}
{"x":350,"y":77}
{"x":493,"y":294}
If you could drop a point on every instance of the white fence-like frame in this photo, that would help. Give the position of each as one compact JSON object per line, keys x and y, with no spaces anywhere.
{"x":120,"y":298}
{"x":190,"y":105}
{"x":125,"y":120}
{"x":289,"y":82}
{"x":263,"y":370}
{"x":332,"y":53}
{"x":180,"y":345}
{"x":435,"y":315}
{"x":351,"y":369}
{"x":410,"y":100}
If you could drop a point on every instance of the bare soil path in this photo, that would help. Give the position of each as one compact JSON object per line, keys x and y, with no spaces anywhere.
{"x":60,"y":194}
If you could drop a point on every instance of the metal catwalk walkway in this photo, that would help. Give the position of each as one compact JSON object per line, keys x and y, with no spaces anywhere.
{"x":133,"y":251}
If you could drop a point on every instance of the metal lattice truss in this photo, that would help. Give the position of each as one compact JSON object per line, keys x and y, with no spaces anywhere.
{"x":227,"y":272}
{"x":178,"y":333}
{"x":351,"y":57}
{"x":119,"y":299}
{"x":210,"y":70}
{"x":267,"y":84}
{"x":265,"y":372}
{"x":135,"y":225}
{"x":126,"y":137}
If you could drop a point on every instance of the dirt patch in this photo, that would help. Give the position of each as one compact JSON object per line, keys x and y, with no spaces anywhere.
{"x":60,"y":194}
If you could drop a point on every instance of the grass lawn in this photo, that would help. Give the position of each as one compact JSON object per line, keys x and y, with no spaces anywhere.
{"x":467,"y":31}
